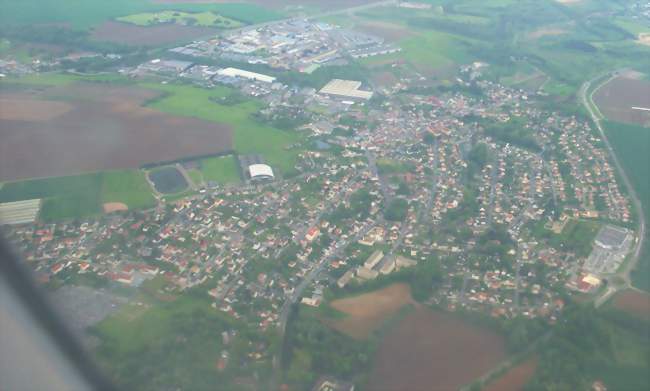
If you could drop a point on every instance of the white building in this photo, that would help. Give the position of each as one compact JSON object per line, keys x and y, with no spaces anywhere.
{"x":234,"y":72}
{"x":260,"y":171}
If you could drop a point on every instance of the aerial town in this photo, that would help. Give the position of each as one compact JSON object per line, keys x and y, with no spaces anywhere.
{"x":520,"y":206}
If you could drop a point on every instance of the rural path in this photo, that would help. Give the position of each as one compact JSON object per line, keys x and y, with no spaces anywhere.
{"x":586,"y":98}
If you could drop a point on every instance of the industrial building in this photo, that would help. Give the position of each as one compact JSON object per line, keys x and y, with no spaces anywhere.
{"x":19,"y":212}
{"x":260,"y":171}
{"x":240,"y":73}
{"x":611,"y":237}
{"x":346,"y":88}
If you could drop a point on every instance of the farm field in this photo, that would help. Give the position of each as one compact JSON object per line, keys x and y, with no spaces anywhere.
{"x":129,"y":34}
{"x":82,"y":195}
{"x":617,"y":98}
{"x":367,"y":312}
{"x":83,"y":15}
{"x":515,"y":378}
{"x":206,"y":19}
{"x":631,"y":146}
{"x":429,"y":347}
{"x":633,"y":302}
{"x":104,"y":126}
{"x":248,"y":136}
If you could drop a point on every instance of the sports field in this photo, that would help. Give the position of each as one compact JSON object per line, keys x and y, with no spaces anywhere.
{"x":221,"y":169}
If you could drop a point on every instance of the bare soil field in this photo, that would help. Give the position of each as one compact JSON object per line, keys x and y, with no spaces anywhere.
{"x":133,"y":35}
{"x":17,"y":107}
{"x":634,"y":302}
{"x":368,"y":311}
{"x":516,"y":378}
{"x":106,"y":128}
{"x":430,"y":350}
{"x":617,"y":98}
{"x":110,"y":207}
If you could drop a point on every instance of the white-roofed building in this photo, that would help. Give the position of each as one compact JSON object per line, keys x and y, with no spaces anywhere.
{"x":346,"y":88}
{"x":234,"y":72}
{"x":260,"y":171}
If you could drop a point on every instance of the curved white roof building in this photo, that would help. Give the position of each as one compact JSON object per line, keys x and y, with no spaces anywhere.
{"x":260,"y":171}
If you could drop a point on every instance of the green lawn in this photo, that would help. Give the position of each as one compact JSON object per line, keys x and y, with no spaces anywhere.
{"x":222,"y":169}
{"x":127,"y":186}
{"x":631,"y":146}
{"x":249,"y":135}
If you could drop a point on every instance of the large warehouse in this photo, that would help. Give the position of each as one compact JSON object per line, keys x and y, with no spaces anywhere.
{"x":240,"y":73}
{"x":346,"y":89}
{"x":260,"y":171}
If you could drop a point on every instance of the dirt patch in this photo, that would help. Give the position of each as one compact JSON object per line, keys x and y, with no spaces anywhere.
{"x":110,"y":207}
{"x":106,"y":128}
{"x":17,"y":107}
{"x":280,"y":4}
{"x":388,"y":31}
{"x":624,"y":99}
{"x":568,"y":1}
{"x":634,"y":302}
{"x":432,"y":348}
{"x":133,"y":35}
{"x":516,"y":378}
{"x":368,"y":311}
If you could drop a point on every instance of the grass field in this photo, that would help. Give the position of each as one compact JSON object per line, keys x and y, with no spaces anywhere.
{"x":631,"y":146}
{"x":81,"y":195}
{"x":208,"y":19}
{"x":83,"y":14}
{"x":249,"y":135}
{"x":222,"y":169}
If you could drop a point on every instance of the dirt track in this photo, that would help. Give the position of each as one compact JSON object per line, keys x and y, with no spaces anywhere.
{"x":434,"y":351}
{"x":105,"y":128}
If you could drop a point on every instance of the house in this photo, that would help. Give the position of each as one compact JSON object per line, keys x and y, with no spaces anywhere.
{"x":312,"y":234}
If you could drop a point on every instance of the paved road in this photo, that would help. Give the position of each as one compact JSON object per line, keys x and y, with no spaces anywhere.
{"x":586,"y":99}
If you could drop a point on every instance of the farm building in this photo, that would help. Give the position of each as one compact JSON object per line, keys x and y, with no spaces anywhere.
{"x":19,"y":212}
{"x":346,"y":88}
{"x":373,"y":259}
{"x":345,"y":278}
{"x":240,"y":73}
{"x":366,"y":274}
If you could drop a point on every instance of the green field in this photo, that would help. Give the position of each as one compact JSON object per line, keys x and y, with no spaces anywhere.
{"x":208,"y":18}
{"x":631,"y":146}
{"x":222,"y":169}
{"x":249,"y":135}
{"x":81,"y":195}
{"x":84,"y":14}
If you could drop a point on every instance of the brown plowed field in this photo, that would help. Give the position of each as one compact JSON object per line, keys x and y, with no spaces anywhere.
{"x":130,"y":34}
{"x":388,"y":31}
{"x":616,"y":99}
{"x":367,"y":312}
{"x":430,"y":350}
{"x":634,"y":302}
{"x":516,"y":378}
{"x":280,"y":4}
{"x":106,"y":127}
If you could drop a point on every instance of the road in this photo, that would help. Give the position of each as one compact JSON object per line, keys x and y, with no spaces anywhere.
{"x":586,"y":99}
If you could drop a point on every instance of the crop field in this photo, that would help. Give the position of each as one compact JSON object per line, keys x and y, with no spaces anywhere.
{"x":163,"y":34}
{"x":429,"y":347}
{"x":617,"y":99}
{"x":248,"y":136}
{"x":82,"y":195}
{"x":89,"y":13}
{"x":206,"y":19}
{"x":105,"y":127}
{"x":634,"y":302}
{"x":631,"y":146}
{"x":367,"y":312}
{"x":515,"y":378}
